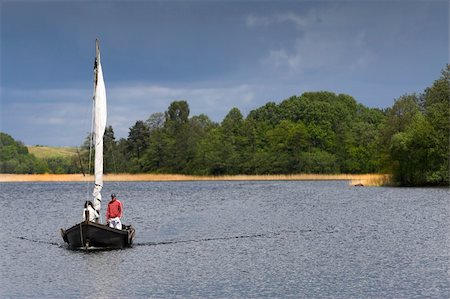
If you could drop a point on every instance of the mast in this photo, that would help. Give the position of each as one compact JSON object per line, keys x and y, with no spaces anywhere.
{"x":99,"y":115}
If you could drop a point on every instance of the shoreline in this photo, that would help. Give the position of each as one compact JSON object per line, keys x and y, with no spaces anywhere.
{"x":353,"y":179}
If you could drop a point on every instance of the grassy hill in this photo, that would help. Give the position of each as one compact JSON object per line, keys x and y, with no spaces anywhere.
{"x":44,"y":152}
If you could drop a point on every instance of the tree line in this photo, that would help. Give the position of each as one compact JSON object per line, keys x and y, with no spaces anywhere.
{"x":15,"y":158}
{"x":316,"y":132}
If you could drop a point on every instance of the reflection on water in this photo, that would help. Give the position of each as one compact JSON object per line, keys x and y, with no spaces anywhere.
{"x":231,"y":239}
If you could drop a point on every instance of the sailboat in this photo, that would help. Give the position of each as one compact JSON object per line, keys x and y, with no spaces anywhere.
{"x":87,"y":234}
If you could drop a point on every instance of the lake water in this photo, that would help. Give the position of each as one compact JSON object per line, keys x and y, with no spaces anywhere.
{"x":294,"y":239}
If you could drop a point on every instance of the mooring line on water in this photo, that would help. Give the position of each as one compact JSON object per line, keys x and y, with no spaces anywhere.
{"x":169,"y":242}
{"x":260,"y":235}
{"x":38,"y":241}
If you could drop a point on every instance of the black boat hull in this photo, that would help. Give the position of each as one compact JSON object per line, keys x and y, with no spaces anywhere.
{"x":90,"y":235}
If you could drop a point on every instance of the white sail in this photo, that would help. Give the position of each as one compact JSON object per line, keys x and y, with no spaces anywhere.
{"x":99,"y":126}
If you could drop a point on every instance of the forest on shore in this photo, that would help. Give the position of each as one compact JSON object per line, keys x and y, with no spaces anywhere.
{"x":316,"y":132}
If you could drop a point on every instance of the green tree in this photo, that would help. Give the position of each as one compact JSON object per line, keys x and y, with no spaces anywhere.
{"x":401,"y":114}
{"x":411,"y":152}
{"x":200,"y":127}
{"x":221,"y":149}
{"x":232,"y":141}
{"x":155,"y":121}
{"x":155,"y":155}
{"x":113,"y":159}
{"x":178,"y":150}
{"x":137,"y":143}
{"x":416,"y":136}
{"x":15,"y":158}
{"x":177,"y":115}
{"x":287,"y":141}
{"x":319,"y":161}
{"x":437,"y":112}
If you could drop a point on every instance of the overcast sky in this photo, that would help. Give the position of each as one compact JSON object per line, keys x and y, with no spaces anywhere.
{"x":215,"y":54}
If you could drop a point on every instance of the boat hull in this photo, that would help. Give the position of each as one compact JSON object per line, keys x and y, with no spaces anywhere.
{"x":90,"y":235}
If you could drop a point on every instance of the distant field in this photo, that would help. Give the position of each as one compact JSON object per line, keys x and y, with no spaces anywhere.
{"x":43,"y":152}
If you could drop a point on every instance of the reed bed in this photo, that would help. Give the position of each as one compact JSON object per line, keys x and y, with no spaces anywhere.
{"x":353,"y":179}
{"x":372,"y":180}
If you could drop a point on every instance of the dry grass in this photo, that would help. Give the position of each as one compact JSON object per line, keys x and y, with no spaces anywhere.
{"x":43,"y":152}
{"x":372,"y":180}
{"x":353,"y":179}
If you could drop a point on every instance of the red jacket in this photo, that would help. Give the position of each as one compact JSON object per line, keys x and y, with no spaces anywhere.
{"x":114,"y":209}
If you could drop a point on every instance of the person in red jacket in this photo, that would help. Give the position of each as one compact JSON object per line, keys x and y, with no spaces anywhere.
{"x":114,"y":212}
